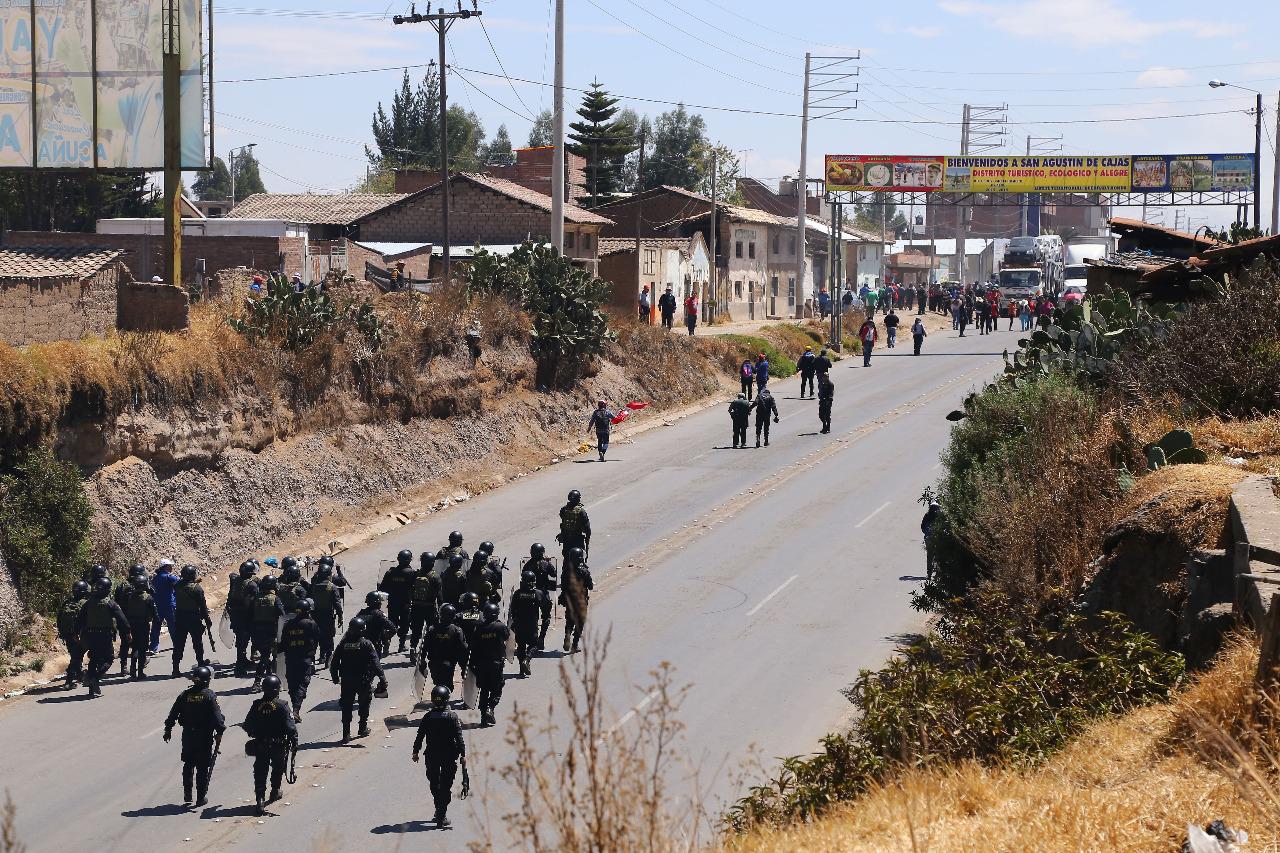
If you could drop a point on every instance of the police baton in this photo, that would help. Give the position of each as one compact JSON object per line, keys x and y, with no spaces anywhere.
{"x":466,"y":780}
{"x":292,"y":776}
{"x":213,"y":762}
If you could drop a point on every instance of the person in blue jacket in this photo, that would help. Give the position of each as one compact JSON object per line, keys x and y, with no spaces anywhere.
{"x":164,"y":583}
{"x":761,"y":373}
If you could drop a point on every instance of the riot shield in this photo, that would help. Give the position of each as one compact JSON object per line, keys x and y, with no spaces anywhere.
{"x":279,"y":629}
{"x":469,"y":690}
{"x":421,"y":685}
{"x":284,"y":682}
{"x":225,"y":633}
{"x":440,"y":565}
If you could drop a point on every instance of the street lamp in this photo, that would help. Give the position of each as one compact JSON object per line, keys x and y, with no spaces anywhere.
{"x":231,"y":167}
{"x":1257,"y":147}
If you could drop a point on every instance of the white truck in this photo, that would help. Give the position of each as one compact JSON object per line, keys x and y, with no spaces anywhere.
{"x":1018,"y":284}
{"x":1080,"y":249}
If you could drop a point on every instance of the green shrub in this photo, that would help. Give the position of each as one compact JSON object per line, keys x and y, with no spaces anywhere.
{"x":780,"y":364}
{"x":44,"y":527}
{"x":981,"y":688}
{"x":294,"y":320}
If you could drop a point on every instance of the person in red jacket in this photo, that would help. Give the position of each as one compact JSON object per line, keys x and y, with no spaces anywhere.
{"x":868,"y":336}
{"x":690,"y":312}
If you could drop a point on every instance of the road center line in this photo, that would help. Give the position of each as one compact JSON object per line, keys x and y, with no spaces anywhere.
{"x":604,"y":500}
{"x":152,"y":733}
{"x":769,"y":597}
{"x":626,"y":718}
{"x":879,"y":510}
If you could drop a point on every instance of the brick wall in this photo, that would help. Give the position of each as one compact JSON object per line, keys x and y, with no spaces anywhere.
{"x":532,"y":169}
{"x":44,"y":310}
{"x":147,"y":307}
{"x":144,"y":253}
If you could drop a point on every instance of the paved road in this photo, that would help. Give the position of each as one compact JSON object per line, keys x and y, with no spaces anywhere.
{"x":766,"y":577}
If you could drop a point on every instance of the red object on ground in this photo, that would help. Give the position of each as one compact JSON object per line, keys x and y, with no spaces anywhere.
{"x":635,"y":405}
{"x":621,"y":416}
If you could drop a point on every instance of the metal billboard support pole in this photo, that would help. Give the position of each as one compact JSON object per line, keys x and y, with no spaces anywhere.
{"x":172,"y":82}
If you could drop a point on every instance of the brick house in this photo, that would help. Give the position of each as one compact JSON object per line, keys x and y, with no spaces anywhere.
{"x":483,"y":210}
{"x":327,"y":217}
{"x":63,"y":293}
{"x":680,"y":263}
{"x":532,"y":170}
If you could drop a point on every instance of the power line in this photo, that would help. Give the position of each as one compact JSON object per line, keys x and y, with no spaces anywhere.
{"x":712,"y":45}
{"x":719,"y":29}
{"x":328,"y":73}
{"x":254,"y":135}
{"x":471,"y":85}
{"x":494,"y":51}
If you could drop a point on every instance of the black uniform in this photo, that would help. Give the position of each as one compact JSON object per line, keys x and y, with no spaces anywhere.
{"x":667,"y":307}
{"x":196,"y":710}
{"x":485,"y":581}
{"x":575,"y":594}
{"x":453,"y":583}
{"x":190,"y":618}
{"x":440,"y":731}
{"x":397,"y":583}
{"x":140,"y":610}
{"x":291,"y":593}
{"x":575,"y":528}
{"x":424,"y":603}
{"x":443,"y":650}
{"x":545,"y":571}
{"x":271,"y":725}
{"x":326,"y":596}
{"x":298,"y":642}
{"x":766,"y":407}
{"x":821,"y":365}
{"x":526,"y":606}
{"x":240,"y":613}
{"x":378,"y":628}
{"x":68,"y":613}
{"x":807,"y":364}
{"x":355,"y":664}
{"x":740,"y":416}
{"x":266,"y":630}
{"x":96,"y":626}
{"x":488,"y":652}
{"x":826,"y":395}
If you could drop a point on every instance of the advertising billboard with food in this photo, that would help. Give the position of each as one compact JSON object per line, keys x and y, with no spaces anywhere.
{"x":906,"y":173}
{"x":81,"y":84}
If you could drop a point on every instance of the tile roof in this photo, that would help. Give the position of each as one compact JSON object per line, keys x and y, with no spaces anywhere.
{"x":312,"y":209}
{"x":619,"y":245}
{"x":27,"y":263}
{"x":572,"y":213}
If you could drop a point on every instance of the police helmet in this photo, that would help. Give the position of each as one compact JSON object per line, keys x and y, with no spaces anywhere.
{"x":137,"y":569}
{"x":290,"y":574}
{"x":102,"y":587}
{"x":270,"y":687}
{"x":447,"y":614}
{"x":373,"y":600}
{"x":268,"y":584}
{"x":537,"y":550}
{"x":80,"y":589}
{"x":405,"y":557}
{"x":288,"y":563}
{"x":323,"y":572}
{"x":189,"y":572}
{"x":527,"y":579}
{"x":486,"y":547}
{"x":138,"y":582}
{"x":491,"y":612}
{"x":257,"y":564}
{"x":247,"y":568}
{"x":575,"y":497}
{"x":305,"y":606}
{"x":577,"y":555}
{"x":202,"y":675}
{"x":97,"y":571}
{"x":469,"y":600}
{"x":439,"y":696}
{"x":456,"y":561}
{"x":327,"y":560}
{"x":455,"y":539}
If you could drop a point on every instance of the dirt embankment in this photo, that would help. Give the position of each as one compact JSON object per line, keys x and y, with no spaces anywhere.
{"x":210,"y":486}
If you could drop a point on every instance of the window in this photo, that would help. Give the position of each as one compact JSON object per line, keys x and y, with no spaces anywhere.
{"x":751,"y":249}
{"x":737,"y":287}
{"x":777,"y":245}
{"x":791,"y":292}
{"x":650,"y":261}
{"x":773,"y":287}
{"x":737,"y":249}
{"x":586,"y":242}
{"x":793,"y":245}
{"x":862,"y":253}
{"x":568,"y":239}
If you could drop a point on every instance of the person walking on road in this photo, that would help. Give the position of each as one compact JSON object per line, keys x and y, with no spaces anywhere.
{"x":196,"y":709}
{"x":545,"y":573}
{"x":667,"y":308}
{"x":68,"y":613}
{"x":191,"y":617}
{"x":299,"y":642}
{"x":397,"y":583}
{"x":602,"y":421}
{"x":821,"y":366}
{"x":140,"y":610}
{"x":440,"y":732}
{"x":766,"y":407}
{"x":274,"y":733}
{"x":444,"y":649}
{"x":826,"y":396}
{"x":526,"y":606}
{"x":926,"y":526}
{"x":918,"y":334}
{"x":691,"y":312}
{"x":354,"y":666}
{"x":163,"y":583}
{"x":488,"y":654}
{"x":739,"y":416}
{"x":891,"y":328}
{"x":575,"y":525}
{"x":644,"y":304}
{"x":575,"y":595}
{"x":96,"y":627}
{"x":868,"y":337}
{"x":922,"y":296}
{"x":807,"y":365}
{"x":762,"y":374}
{"x":747,"y":373}
{"x":962,"y":319}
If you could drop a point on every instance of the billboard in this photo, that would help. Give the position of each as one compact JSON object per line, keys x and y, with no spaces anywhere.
{"x":1122,"y":173}
{"x":81,"y":84}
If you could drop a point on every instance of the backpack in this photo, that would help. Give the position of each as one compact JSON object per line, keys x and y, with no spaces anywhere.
{"x":139,"y":607}
{"x":571,"y":521}
{"x":264,"y":609}
{"x":747,"y":370}
{"x":426,"y":587}
{"x":322,"y":595}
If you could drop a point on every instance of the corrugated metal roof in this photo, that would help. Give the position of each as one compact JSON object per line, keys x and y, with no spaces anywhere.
{"x":27,"y":263}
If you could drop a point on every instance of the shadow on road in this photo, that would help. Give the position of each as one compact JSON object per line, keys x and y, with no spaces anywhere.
{"x":913,"y":578}
{"x":326,"y":744}
{"x":167,"y":810}
{"x":69,"y":697}
{"x":906,"y":640}
{"x":408,"y":826}
{"x":246,"y":810}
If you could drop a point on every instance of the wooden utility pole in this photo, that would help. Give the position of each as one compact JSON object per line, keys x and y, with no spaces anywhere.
{"x":802,"y":193}
{"x":558,"y":176}
{"x":653,"y":295}
{"x":171,"y":70}
{"x":710,"y":313}
{"x":441,"y":21}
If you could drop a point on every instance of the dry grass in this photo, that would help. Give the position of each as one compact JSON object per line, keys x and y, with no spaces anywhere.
{"x":1132,"y":783}
{"x":1187,"y":502}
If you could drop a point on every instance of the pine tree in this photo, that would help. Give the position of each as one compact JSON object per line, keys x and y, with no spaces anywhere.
{"x":215,"y":184}
{"x":498,"y":152}
{"x":248,"y":180}
{"x":542,"y":133}
{"x":410,"y":136}
{"x":602,"y":141}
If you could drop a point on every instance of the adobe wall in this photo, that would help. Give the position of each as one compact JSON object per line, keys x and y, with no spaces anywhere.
{"x":64,"y":309}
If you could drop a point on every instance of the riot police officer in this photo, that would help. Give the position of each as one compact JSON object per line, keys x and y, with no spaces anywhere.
{"x":299,"y":641}
{"x":378,"y":627}
{"x":274,"y":735}
{"x":488,"y":651}
{"x":397,"y":583}
{"x":424,"y":601}
{"x":575,"y":526}
{"x":355,"y":664}
{"x":326,"y":598}
{"x":267,"y":613}
{"x":485,"y":578}
{"x":440,"y":731}
{"x":190,"y":618}
{"x":545,"y":573}
{"x":444,"y":648}
{"x":469,"y":615}
{"x":292,"y":588}
{"x":527,"y":603}
{"x":140,"y":610}
{"x":68,"y":613}
{"x":240,"y":596}
{"x":196,"y":710}
{"x":124,"y":592}
{"x":453,"y":549}
{"x":454,"y":581}
{"x":575,"y":594}
{"x":95,"y":629}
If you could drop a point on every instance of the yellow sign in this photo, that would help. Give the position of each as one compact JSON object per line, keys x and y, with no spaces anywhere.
{"x":1038,"y":174}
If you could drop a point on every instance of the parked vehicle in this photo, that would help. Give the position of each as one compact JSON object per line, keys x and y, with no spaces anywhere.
{"x":1016,"y":284}
{"x":1072,"y":294}
{"x":1022,"y":252}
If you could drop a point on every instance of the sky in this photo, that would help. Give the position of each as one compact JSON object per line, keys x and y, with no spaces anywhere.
{"x":1094,"y":73}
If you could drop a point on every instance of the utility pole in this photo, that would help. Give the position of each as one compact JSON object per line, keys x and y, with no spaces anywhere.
{"x":441,"y":21}
{"x":958,"y":274}
{"x":557,"y":160}
{"x":983,"y":129}
{"x":1275,"y":177}
{"x":802,"y":193}
{"x":709,"y":313}
{"x":1036,"y":145}
{"x":837,"y":271}
{"x":653,"y":296}
{"x":171,"y":70}
{"x":1257,"y":164}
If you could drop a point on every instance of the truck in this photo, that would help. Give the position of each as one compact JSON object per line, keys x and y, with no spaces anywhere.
{"x":1017,"y":283}
{"x":1076,"y":273}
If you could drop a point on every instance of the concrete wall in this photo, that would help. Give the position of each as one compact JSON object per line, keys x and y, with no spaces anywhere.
{"x":145,"y":307}
{"x":45,"y":310}
{"x":144,"y":252}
